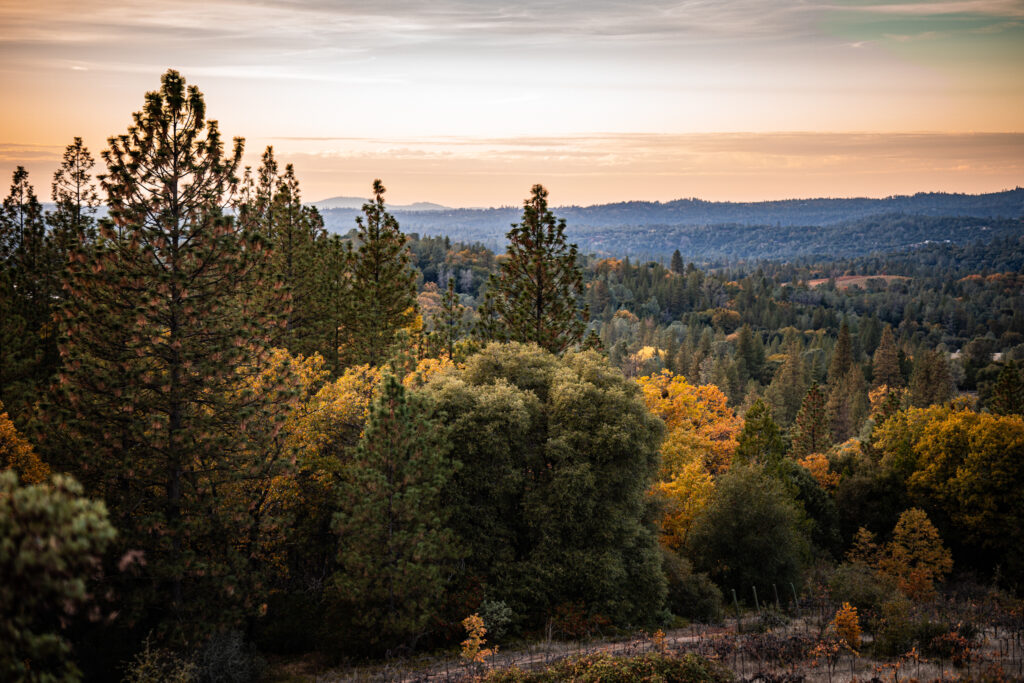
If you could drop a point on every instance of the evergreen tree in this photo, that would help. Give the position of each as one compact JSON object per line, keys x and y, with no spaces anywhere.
{"x":74,"y":192}
{"x":789,"y":384}
{"x":811,"y":430}
{"x":533,"y":298}
{"x":160,"y":348}
{"x":395,"y":550}
{"x":749,"y":355}
{"x":751,"y":534}
{"x":381,"y":287}
{"x":930,"y":379}
{"x":842,"y":356}
{"x":760,"y":441}
{"x":677,"y":262}
{"x":332,"y":300}
{"x":449,"y":321}
{"x":847,"y":405}
{"x":294,"y":231}
{"x":27,"y":290}
{"x":53,"y":541}
{"x":886,"y":365}
{"x":552,"y":496}
{"x":1008,"y":391}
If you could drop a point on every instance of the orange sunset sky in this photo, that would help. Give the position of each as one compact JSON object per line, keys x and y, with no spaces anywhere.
{"x":469,"y":102}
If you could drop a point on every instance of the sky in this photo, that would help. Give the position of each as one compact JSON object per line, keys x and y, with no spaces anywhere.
{"x":470,"y":102}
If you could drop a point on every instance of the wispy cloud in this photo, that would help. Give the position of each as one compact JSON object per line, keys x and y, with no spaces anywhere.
{"x":993,"y":8}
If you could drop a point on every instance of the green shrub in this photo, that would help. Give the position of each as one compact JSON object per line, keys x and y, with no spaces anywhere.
{"x":51,"y":541}
{"x":900,"y":629}
{"x":497,"y":616}
{"x":860,"y":586}
{"x":691,"y":594}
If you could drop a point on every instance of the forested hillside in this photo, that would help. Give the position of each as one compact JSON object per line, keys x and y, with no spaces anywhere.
{"x":714,"y":231}
{"x":228,"y":433}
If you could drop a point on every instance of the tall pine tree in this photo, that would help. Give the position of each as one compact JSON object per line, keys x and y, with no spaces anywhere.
{"x":27,"y":290}
{"x":789,"y":384}
{"x":160,"y":349}
{"x":760,"y":441}
{"x":381,"y":286}
{"x":534,"y":296}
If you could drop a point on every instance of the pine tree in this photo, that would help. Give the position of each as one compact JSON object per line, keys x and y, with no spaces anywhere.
{"x":160,"y":348}
{"x":293,"y":233}
{"x":74,"y":192}
{"x":930,"y":379}
{"x":749,"y":355}
{"x":811,"y":430}
{"x":1008,"y":391}
{"x":789,"y":384}
{"x":760,"y":441}
{"x":886,"y":365}
{"x":676,"y":265}
{"x":27,"y":290}
{"x":381,"y":287}
{"x":449,"y":321}
{"x":842,"y":356}
{"x":847,"y":405}
{"x":395,"y":549}
{"x":534,"y":297}
{"x":332,"y":300}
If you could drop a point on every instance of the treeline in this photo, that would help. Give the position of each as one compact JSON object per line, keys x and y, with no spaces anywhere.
{"x":228,"y":431}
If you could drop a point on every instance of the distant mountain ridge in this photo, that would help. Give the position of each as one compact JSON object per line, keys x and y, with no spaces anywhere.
{"x":704,"y":230}
{"x":357,"y":203}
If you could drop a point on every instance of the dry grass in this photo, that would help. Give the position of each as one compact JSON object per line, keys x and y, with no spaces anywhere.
{"x":750,"y":656}
{"x":846,"y":281}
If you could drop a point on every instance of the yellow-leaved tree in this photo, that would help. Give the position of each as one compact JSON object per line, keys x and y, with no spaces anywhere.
{"x":700,"y":423}
{"x":701,"y":440}
{"x":17,"y":454}
{"x":684,"y":496}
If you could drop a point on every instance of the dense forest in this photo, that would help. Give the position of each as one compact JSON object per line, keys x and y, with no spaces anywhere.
{"x":706,"y":232}
{"x":228,"y":432}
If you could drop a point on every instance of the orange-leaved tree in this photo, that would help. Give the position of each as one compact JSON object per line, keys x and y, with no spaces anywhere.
{"x":916,"y":557}
{"x":17,"y":454}
{"x":700,"y":423}
{"x":701,"y":440}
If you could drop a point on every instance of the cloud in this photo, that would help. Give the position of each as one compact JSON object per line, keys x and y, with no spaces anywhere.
{"x":993,"y":8}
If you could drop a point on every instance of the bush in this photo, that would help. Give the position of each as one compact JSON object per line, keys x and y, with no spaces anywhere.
{"x":691,"y":594}
{"x":900,"y":630}
{"x":860,"y":586}
{"x":51,"y":541}
{"x":497,"y":616}
{"x":159,"y":665}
